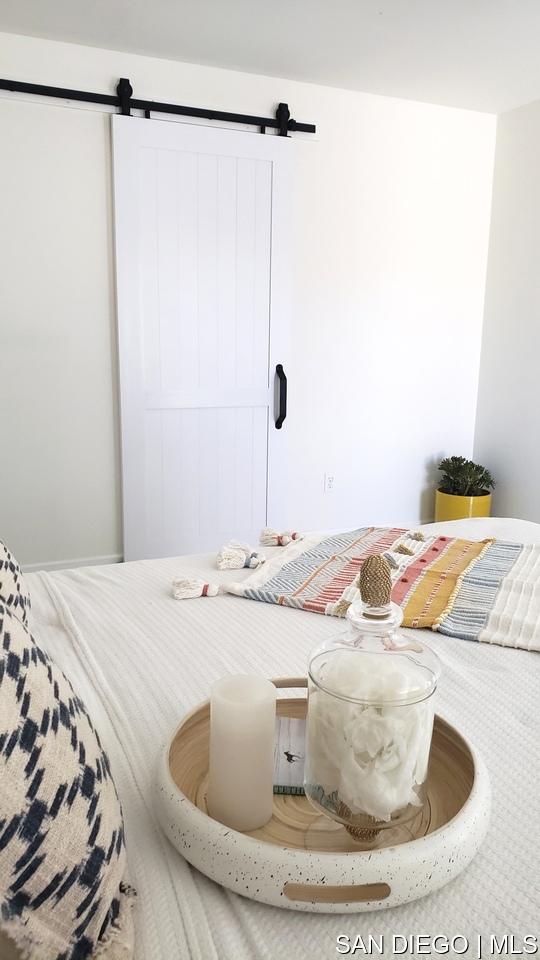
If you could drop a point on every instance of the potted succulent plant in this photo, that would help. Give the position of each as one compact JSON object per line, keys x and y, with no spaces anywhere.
{"x":464,"y":490}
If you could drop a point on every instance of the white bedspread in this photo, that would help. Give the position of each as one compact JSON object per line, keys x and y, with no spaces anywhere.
{"x":141,"y":659}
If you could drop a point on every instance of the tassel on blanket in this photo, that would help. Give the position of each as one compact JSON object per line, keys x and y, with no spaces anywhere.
{"x":405,"y":550}
{"x":341,"y":607}
{"x":188,"y":588}
{"x":416,"y":535}
{"x":235,"y":555}
{"x":271,"y":538}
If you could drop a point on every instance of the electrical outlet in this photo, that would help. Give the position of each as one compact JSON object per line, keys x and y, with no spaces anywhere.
{"x":329,"y":481}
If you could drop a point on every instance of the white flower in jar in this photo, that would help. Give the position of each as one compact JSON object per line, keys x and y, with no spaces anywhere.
{"x":373,"y":753}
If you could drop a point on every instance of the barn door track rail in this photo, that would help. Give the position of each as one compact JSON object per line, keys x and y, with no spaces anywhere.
{"x":124,"y":100}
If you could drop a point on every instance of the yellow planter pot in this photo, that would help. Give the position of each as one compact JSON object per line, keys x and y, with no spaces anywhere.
{"x":450,"y":507}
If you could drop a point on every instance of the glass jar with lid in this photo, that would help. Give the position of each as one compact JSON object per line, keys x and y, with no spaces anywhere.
{"x":370,"y":720}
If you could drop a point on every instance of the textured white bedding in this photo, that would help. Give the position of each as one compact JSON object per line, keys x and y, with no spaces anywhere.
{"x":141,"y":659}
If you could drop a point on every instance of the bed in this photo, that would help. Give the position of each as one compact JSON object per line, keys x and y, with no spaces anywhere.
{"x":140,"y":660}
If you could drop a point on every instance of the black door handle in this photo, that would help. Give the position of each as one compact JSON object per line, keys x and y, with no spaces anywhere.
{"x":282,"y":413}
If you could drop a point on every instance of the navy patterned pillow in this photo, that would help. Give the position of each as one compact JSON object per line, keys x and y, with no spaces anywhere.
{"x":12,"y":586}
{"x":63,"y":894}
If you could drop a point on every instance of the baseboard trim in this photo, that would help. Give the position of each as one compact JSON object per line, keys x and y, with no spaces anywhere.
{"x":70,"y":564}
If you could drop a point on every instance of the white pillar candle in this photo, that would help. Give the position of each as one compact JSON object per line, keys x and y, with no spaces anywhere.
{"x":242,"y":736}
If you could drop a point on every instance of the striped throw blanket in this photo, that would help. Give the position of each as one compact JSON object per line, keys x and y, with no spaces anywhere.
{"x":487,"y":591}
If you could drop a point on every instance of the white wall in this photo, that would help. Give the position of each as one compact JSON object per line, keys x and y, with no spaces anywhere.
{"x":59,"y":478}
{"x":390,"y":229}
{"x":507,"y":433}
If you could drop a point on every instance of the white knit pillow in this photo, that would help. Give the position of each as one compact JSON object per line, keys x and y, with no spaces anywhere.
{"x":62,"y":854}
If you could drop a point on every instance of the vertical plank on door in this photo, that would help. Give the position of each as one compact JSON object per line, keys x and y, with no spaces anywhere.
{"x":187,"y":329}
{"x":168,"y":256}
{"x":207,"y":260}
{"x":148,"y":279}
{"x":226,"y":268}
{"x":173,"y":461}
{"x":263,"y":262}
{"x":152,"y":508}
{"x":189,"y":503}
{"x":258,"y":467}
{"x":245,"y":272}
{"x":208,"y":475}
{"x":227,"y":467}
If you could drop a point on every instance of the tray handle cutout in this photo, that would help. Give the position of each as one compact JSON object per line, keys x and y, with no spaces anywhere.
{"x":321,"y":893}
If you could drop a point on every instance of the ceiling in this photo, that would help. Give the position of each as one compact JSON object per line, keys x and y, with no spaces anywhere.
{"x":478,"y":54}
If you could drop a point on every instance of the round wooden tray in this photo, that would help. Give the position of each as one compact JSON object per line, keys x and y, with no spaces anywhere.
{"x":305,"y":861}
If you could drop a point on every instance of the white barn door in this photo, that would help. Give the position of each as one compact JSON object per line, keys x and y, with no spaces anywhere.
{"x":201,"y":224}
